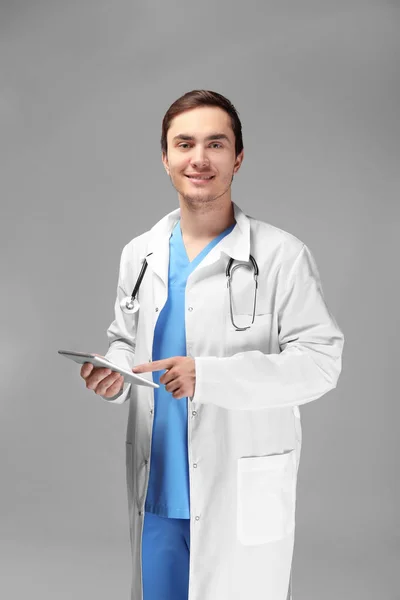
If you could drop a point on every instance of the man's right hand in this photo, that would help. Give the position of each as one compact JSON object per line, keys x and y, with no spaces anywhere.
{"x":101,"y":380}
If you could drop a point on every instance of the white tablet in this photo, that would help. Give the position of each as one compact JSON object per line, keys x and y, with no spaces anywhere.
{"x":99,"y":361}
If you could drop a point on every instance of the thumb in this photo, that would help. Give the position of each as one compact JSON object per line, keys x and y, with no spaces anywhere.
{"x":86,"y":369}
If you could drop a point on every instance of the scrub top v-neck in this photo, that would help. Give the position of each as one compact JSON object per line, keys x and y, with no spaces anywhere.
{"x":168,"y":490}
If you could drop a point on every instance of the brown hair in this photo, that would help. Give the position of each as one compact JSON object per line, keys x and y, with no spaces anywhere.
{"x":197,"y":98}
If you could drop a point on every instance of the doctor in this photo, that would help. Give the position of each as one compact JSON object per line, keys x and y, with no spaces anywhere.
{"x":212,"y":455}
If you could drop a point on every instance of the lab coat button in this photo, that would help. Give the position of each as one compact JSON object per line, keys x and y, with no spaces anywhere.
{"x":140,"y":512}
{"x":190,"y":308}
{"x":151,"y":411}
{"x":156,"y":308}
{"x":197,"y":518}
{"x":195,"y":465}
{"x":145,"y":462}
{"x":194,"y":412}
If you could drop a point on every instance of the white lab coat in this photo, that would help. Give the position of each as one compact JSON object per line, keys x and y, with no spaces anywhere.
{"x":244,"y":431}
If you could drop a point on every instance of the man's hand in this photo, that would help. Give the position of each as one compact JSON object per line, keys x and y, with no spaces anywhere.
{"x":102,"y":381}
{"x":180,"y":378}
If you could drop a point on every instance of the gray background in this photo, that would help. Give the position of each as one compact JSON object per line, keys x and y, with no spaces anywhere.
{"x":83,"y":89}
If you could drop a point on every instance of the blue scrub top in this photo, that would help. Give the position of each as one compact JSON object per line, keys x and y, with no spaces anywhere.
{"x":168,"y":491}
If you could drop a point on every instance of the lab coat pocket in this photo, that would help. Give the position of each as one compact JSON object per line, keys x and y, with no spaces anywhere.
{"x":266,"y":497}
{"x":256,"y":337}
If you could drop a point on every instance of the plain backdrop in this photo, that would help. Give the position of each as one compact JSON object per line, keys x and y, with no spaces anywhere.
{"x":83,"y":90}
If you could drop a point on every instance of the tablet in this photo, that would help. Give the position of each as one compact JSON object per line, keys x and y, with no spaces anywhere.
{"x":99,"y":361}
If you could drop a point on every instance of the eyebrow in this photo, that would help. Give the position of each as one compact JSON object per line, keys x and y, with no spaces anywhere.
{"x":213,"y":136}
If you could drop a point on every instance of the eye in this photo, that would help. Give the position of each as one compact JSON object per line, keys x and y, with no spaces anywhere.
{"x":212,"y":144}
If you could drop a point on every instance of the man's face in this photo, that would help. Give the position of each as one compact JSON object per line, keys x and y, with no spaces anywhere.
{"x":200,"y":155}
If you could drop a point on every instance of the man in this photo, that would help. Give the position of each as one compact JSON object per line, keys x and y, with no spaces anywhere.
{"x":213,"y":453}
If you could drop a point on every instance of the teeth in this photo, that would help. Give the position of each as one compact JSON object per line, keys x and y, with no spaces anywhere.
{"x":200,"y":177}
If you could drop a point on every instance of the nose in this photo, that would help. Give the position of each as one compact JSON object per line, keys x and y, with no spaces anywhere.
{"x":199,"y":157}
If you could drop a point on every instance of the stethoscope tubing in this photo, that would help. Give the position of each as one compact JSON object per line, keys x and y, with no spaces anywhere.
{"x":228,"y":266}
{"x":130,"y":302}
{"x":139,"y":279}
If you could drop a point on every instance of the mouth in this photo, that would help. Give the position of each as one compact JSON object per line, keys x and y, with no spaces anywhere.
{"x":200,"y":180}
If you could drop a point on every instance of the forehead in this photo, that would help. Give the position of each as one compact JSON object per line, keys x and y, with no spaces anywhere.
{"x":201,"y":121}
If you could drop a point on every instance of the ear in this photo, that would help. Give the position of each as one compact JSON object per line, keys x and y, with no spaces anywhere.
{"x":238,"y":161}
{"x":165,"y":161}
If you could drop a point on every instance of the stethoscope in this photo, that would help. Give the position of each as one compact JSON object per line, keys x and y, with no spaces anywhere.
{"x":130,"y":304}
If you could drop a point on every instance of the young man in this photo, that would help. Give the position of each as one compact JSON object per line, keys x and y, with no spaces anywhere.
{"x":213,"y":453}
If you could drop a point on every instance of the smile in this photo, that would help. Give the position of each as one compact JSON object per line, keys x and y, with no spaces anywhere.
{"x":200,"y":179}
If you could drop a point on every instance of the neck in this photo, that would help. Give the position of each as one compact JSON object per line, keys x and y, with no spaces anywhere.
{"x":207,"y":221}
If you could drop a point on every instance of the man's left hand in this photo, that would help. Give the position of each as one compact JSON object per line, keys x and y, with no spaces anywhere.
{"x":180,"y":378}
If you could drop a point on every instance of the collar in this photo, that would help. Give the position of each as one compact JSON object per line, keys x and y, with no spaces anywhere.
{"x":236,"y":244}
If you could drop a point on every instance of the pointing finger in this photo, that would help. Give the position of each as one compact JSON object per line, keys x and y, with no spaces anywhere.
{"x":157,"y":365}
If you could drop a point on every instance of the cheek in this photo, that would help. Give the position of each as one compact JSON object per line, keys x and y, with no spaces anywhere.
{"x":179,"y":169}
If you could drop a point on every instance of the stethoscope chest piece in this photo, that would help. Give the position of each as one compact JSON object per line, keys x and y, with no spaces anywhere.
{"x":129,"y":305}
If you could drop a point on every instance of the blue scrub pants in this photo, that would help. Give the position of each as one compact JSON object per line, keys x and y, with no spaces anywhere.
{"x":165,"y":558}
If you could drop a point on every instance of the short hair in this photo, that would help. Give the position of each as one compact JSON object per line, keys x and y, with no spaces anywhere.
{"x":197,"y":98}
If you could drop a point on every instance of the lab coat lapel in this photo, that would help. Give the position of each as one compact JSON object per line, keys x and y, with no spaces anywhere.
{"x":158,"y":258}
{"x":158,"y":247}
{"x":235,"y":245}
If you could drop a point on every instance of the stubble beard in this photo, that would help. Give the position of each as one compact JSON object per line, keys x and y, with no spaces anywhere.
{"x":196,"y":200}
